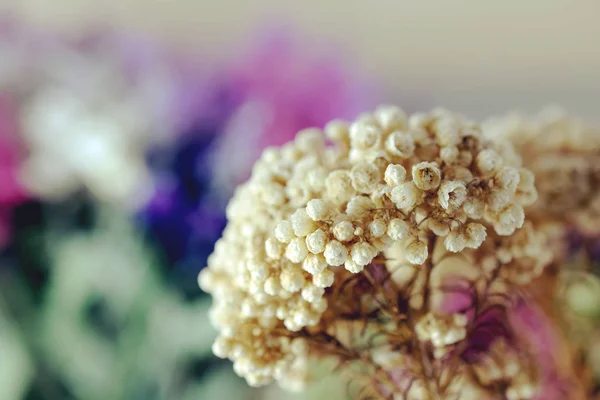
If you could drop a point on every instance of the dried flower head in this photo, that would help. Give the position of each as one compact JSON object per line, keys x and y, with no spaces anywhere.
{"x":365,"y":261}
{"x":563,"y":153}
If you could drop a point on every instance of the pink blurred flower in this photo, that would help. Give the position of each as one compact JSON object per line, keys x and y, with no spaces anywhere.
{"x":284,"y":85}
{"x":299,"y":86}
{"x":11,"y":191}
{"x":542,"y":339}
{"x":531,"y":335}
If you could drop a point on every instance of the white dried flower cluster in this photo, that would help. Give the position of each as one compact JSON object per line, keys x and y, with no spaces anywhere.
{"x":460,"y":381}
{"x":502,"y":365}
{"x":411,"y":384}
{"x":523,"y":256}
{"x":517,"y":259}
{"x":312,"y":213}
{"x":564,"y":154}
{"x":442,"y":331}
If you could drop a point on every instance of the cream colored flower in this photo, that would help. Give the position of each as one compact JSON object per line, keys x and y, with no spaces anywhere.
{"x":321,"y":233}
{"x":426,"y":175}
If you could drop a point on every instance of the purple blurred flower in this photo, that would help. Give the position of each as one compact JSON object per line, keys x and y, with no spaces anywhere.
{"x":183,"y":216}
{"x":260,"y":100}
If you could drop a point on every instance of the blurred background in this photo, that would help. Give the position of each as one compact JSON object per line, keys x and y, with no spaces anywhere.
{"x":126,"y":125}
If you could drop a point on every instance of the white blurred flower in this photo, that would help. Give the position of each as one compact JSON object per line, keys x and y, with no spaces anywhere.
{"x":158,"y":331}
{"x":16,"y":366}
{"x":90,"y":111}
{"x":73,"y":145}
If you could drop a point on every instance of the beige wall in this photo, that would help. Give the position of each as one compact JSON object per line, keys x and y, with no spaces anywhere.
{"x":479,"y":56}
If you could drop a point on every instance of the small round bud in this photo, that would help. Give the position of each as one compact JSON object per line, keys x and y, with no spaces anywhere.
{"x":315,"y":178}
{"x":270,"y":155}
{"x":440,"y":228}
{"x":274,"y":248}
{"x":364,"y":135}
{"x":449,"y":154}
{"x":335,"y":253}
{"x":343,"y":231}
{"x":316,"y":241}
{"x":313,"y":263}
{"x":317,"y":209}
{"x":426,"y":175}
{"x":455,"y":241}
{"x":206,"y":280}
{"x":475,"y":234}
{"x":324,"y":279}
{"x":465,"y":158}
{"x":296,"y":250}
{"x":319,"y":305}
{"x":302,"y":224}
{"x":459,"y":173}
{"x":526,"y":178}
{"x":474,"y":208}
{"x":292,"y":279}
{"x":497,"y":199}
{"x":400,"y":144}
{"x":221,"y":347}
{"x":377,"y":228}
{"x":452,"y":194}
{"x":397,"y":229}
{"x":391,"y":118}
{"x":337,"y":131}
{"x":508,"y":178}
{"x":259,"y":271}
{"x":359,"y":206}
{"x":272,"y":286}
{"x":365,"y":177}
{"x":583,"y":297}
{"x":353,"y":267}
{"x":273,"y":194}
{"x":420,"y":120}
{"x":395,"y":174}
{"x":405,"y":195}
{"x":447,"y":132}
{"x":363,"y":253}
{"x":339,"y":186}
{"x":284,"y":232}
{"x":290,"y":153}
{"x":488,"y":161}
{"x":312,"y":293}
{"x":526,"y":191}
{"x":420,"y":136}
{"x":416,"y":252}
{"x":310,"y":140}
{"x":509,"y":220}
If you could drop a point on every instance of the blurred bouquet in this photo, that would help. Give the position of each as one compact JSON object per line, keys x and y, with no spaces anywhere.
{"x":89,"y":110}
{"x":117,"y":158}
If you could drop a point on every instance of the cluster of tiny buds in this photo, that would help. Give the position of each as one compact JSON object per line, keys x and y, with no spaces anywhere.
{"x":502,"y":364}
{"x":563,"y":152}
{"x":313,"y":209}
{"x":442,"y":331}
